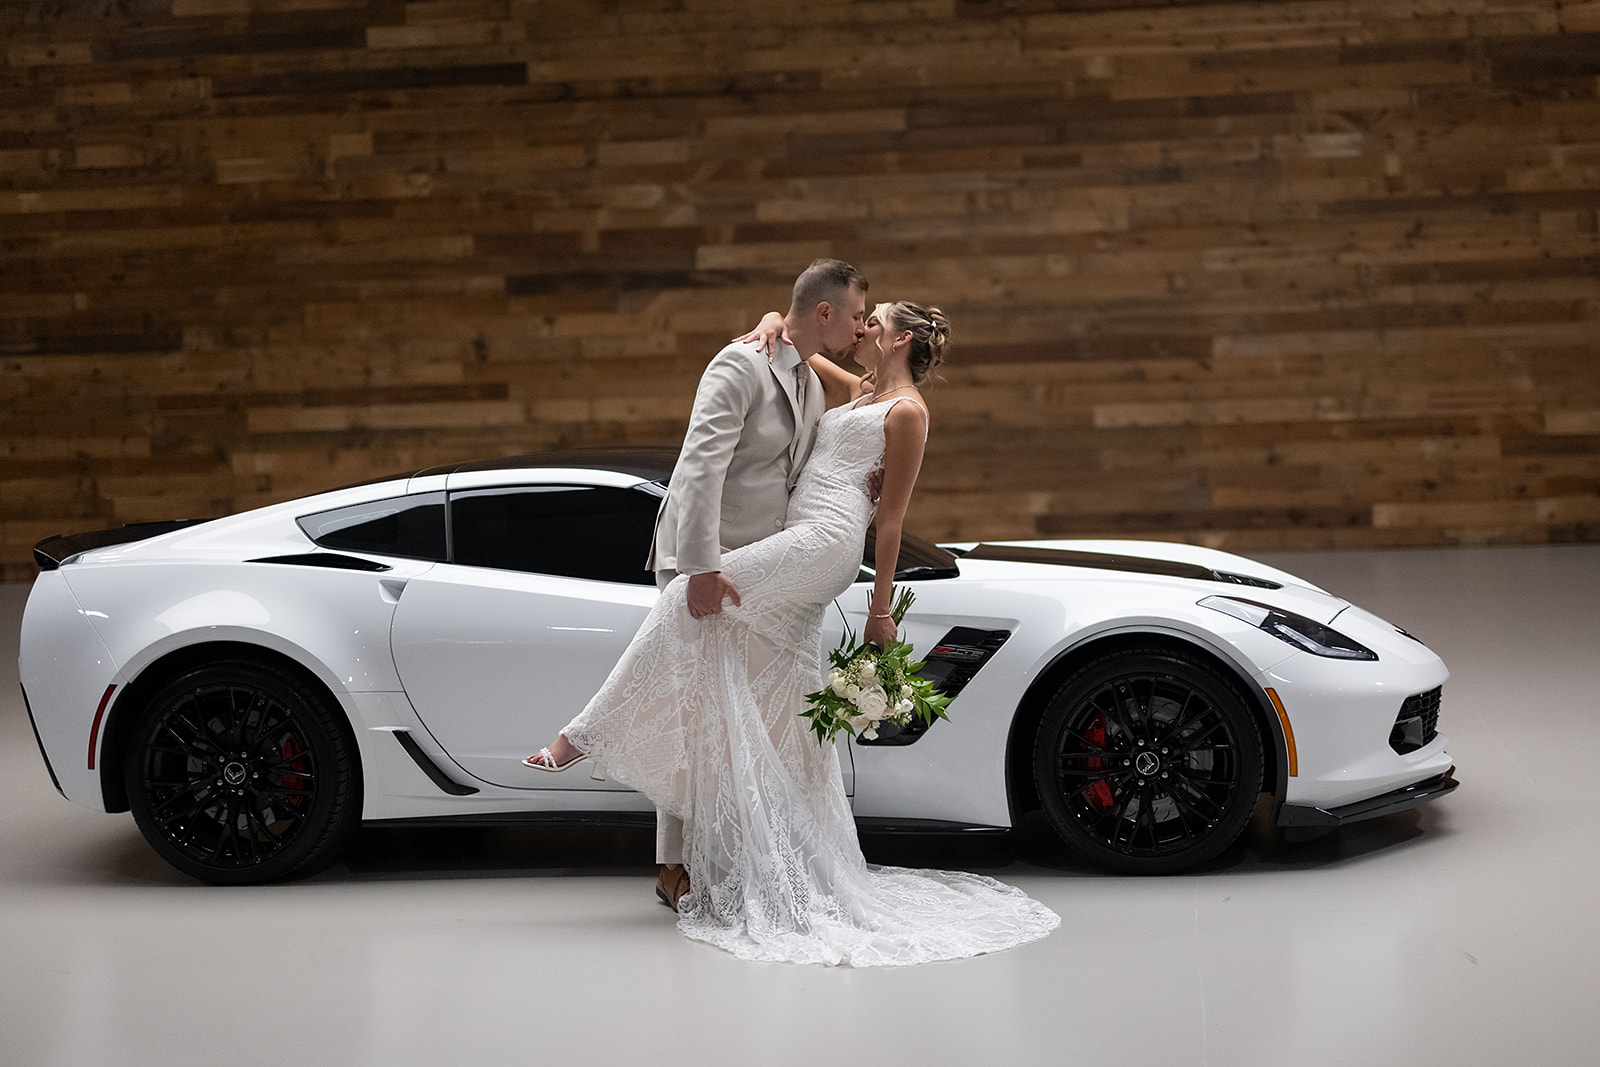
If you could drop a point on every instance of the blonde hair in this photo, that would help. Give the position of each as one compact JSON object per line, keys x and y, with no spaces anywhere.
{"x":930,"y":334}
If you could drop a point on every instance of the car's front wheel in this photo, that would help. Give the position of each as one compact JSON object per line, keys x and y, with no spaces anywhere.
{"x":1148,"y":761}
{"x":239,"y":773}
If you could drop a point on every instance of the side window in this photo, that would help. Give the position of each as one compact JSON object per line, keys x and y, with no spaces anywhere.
{"x":411,"y":526}
{"x":593,"y":532}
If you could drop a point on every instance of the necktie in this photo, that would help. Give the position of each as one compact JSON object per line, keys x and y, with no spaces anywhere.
{"x":800,"y":377}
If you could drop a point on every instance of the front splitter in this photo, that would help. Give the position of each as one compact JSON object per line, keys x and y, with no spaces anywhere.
{"x":1311,"y":817}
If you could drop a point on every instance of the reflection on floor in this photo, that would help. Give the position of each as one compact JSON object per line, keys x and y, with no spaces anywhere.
{"x":1465,"y":932}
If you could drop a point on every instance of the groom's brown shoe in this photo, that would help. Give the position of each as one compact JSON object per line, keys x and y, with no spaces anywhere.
{"x":672,"y":883}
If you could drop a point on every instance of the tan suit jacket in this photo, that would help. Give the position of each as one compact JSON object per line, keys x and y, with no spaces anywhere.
{"x":748,"y":439}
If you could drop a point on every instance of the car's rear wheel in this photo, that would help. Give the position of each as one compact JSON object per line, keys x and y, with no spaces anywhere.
{"x":238,"y":773}
{"x":1148,"y":761}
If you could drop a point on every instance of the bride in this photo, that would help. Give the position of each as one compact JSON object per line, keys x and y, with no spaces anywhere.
{"x":703,"y":715}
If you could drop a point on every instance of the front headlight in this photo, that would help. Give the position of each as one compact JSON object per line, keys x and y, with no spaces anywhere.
{"x":1305,"y":634}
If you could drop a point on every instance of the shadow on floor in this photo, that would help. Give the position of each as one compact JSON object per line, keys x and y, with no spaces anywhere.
{"x":523,"y":851}
{"x":417,"y":853}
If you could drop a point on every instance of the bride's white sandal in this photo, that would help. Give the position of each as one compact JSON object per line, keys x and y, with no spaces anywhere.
{"x":543,"y":761}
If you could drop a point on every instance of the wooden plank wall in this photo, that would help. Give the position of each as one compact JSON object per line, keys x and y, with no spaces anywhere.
{"x":1261,"y":275}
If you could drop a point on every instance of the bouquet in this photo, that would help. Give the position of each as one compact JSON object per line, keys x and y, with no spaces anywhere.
{"x":869,"y":686}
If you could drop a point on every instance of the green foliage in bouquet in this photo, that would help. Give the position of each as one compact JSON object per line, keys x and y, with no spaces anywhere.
{"x":869,"y":686}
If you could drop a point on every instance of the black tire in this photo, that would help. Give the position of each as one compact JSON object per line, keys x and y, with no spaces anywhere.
{"x":239,"y":772}
{"x":1148,"y":761}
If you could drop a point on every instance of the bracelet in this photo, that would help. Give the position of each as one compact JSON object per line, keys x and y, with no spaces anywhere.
{"x":876,"y":615}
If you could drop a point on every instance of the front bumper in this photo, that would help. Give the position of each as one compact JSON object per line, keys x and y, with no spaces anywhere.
{"x":1311,"y":817}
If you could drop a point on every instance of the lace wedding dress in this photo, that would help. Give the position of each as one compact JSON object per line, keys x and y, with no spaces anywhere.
{"x":703,"y":717}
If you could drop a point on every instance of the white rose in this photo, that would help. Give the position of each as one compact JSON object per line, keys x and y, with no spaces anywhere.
{"x":869,"y":673}
{"x":871,"y":734}
{"x":873,"y":704}
{"x":836,"y":682}
{"x":852,"y":693}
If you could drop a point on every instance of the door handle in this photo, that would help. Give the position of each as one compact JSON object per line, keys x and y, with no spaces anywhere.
{"x":391,"y":588}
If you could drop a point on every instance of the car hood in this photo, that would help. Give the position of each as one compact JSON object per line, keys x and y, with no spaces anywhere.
{"x":1206,"y":570}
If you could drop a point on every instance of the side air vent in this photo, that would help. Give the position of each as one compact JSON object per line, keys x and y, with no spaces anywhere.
{"x":1418,"y":722}
{"x":950,"y":666}
{"x":445,"y":783}
{"x":325,"y":559}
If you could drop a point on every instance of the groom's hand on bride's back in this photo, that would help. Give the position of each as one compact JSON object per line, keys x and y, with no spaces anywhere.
{"x":707,"y":591}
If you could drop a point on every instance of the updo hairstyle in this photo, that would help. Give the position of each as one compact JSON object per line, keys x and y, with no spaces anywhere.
{"x":930,"y":336}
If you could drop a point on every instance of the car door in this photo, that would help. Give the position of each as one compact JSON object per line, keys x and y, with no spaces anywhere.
{"x":499,"y":647}
{"x":502,"y":644}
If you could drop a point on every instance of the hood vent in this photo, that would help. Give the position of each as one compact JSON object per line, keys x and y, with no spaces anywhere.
{"x":1107,"y":561}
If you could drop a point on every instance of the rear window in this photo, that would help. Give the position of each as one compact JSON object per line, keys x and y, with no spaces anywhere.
{"x":409,"y":526}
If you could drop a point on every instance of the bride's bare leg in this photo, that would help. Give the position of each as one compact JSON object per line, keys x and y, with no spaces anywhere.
{"x":560,"y":753}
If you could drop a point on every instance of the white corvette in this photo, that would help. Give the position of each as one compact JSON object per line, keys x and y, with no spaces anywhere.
{"x":255,"y":686}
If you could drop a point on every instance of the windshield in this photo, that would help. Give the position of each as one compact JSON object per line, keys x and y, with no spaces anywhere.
{"x":919,"y":560}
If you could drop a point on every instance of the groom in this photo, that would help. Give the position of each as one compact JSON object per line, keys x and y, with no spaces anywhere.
{"x":749,"y":434}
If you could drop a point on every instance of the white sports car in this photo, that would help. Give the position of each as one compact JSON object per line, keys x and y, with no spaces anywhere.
{"x":255,"y":686}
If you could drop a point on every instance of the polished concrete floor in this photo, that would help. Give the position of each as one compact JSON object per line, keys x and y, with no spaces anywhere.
{"x":1464,"y":933}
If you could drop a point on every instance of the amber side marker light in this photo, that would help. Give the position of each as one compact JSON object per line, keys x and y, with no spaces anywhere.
{"x":1288,"y":732}
{"x":99,"y":713}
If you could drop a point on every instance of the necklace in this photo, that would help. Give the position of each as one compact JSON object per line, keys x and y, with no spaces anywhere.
{"x":876,"y":396}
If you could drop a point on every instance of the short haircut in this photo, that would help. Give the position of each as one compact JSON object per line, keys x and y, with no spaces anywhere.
{"x":825,"y":279}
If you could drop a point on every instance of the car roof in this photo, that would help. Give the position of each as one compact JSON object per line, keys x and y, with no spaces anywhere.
{"x":651,"y":464}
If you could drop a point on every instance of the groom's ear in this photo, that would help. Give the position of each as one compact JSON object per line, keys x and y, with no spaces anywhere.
{"x":824,"y":311}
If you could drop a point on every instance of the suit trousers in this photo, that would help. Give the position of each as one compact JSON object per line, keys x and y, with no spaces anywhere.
{"x":669,"y":828}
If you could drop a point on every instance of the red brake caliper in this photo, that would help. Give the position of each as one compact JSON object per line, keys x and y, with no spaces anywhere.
{"x":1097,"y":794}
{"x":292,"y":748}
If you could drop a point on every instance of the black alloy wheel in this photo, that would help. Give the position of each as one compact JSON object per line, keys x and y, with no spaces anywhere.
{"x":240,"y":773}
{"x":1148,"y":761}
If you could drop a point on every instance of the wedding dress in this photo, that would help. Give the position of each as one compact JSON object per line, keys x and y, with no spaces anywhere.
{"x":703,"y":717}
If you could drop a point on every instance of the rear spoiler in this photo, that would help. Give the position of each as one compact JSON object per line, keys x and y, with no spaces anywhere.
{"x":52,"y":552}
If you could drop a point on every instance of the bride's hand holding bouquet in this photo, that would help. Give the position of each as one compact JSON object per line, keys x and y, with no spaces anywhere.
{"x":870,"y":685}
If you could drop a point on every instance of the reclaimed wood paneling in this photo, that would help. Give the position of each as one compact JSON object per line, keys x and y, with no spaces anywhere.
{"x":1260,"y":275}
